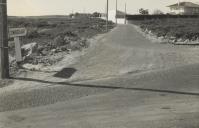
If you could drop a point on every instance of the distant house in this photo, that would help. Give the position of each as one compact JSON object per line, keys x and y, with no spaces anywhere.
{"x":184,"y":8}
{"x":113,"y":14}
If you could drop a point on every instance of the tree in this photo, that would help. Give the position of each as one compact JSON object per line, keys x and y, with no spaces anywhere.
{"x":71,"y":15}
{"x":143,"y":11}
{"x":158,"y":12}
{"x":96,"y":14}
{"x":77,"y":14}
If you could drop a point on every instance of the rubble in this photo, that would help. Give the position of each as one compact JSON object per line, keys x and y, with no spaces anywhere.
{"x":29,"y":49}
{"x":46,"y":44}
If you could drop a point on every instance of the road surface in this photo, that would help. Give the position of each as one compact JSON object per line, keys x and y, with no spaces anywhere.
{"x":124,"y":81}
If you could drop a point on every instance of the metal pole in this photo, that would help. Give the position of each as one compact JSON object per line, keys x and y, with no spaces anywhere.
{"x":4,"y":58}
{"x":107,"y":8}
{"x":179,"y":6}
{"x":125,"y":13}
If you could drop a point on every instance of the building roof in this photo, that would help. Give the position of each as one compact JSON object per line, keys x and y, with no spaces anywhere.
{"x":185,"y":4}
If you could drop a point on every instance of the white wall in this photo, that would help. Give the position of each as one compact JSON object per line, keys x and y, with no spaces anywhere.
{"x":111,"y":17}
{"x":177,"y":11}
{"x":121,"y":21}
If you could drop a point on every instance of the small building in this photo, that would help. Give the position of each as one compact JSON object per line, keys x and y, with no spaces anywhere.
{"x":115,"y":16}
{"x":184,"y":8}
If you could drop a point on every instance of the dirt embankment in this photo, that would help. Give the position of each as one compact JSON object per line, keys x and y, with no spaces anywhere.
{"x":182,"y":31}
{"x":50,"y":39}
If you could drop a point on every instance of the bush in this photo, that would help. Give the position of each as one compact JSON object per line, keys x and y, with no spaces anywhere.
{"x":96,"y":14}
{"x":59,"y":41}
{"x":33,"y":34}
{"x":41,"y":24}
{"x":182,"y":28}
{"x":143,"y":11}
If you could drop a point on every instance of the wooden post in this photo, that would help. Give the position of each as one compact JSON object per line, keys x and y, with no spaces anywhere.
{"x":4,"y":60}
{"x":17,"y":41}
{"x":17,"y":34}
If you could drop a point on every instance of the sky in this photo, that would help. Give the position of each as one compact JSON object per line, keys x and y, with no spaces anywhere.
{"x":63,"y":7}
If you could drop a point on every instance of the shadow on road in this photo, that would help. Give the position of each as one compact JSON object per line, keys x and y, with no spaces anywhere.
{"x":65,"y":73}
{"x":107,"y":87}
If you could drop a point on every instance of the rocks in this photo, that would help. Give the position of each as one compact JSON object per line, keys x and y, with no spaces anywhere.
{"x":161,"y":38}
{"x":55,"y":38}
{"x":49,"y":53}
{"x":172,"y":38}
{"x":13,"y":65}
{"x":180,"y":40}
{"x":186,"y":41}
{"x":73,"y":44}
{"x":64,"y":48}
{"x":65,"y":38}
{"x":45,"y":52}
{"x":59,"y":41}
{"x":29,"y":49}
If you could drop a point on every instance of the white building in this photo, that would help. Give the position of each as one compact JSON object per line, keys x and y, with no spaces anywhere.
{"x":112,"y":15}
{"x":184,"y":8}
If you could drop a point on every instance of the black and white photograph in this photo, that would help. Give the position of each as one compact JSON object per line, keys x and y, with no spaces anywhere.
{"x":99,"y":63}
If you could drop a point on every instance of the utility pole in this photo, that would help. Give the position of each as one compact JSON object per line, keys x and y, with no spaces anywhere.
{"x":179,"y":7}
{"x":4,"y":58}
{"x":107,"y":8}
{"x":125,"y":13}
{"x":116,"y":13}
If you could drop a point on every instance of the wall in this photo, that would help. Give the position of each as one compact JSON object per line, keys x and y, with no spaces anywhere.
{"x":112,"y":15}
{"x":191,"y":11}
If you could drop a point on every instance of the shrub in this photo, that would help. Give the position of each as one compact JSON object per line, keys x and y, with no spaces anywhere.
{"x":59,"y":40}
{"x":33,"y":34}
{"x":41,"y":24}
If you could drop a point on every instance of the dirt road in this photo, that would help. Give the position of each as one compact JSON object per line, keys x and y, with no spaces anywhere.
{"x":124,"y":81}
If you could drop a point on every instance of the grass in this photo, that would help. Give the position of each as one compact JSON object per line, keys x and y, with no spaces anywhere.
{"x":57,"y":30}
{"x":46,"y":29}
